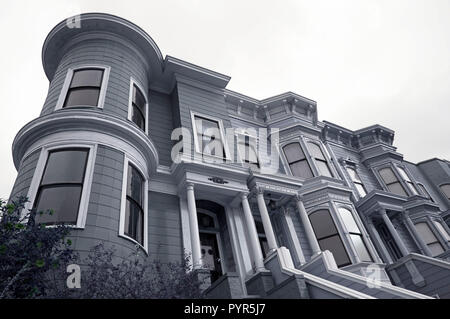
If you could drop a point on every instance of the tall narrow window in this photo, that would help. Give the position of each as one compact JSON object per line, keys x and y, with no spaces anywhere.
{"x":262,"y":238}
{"x":319,"y":159}
{"x":355,"y":234}
{"x":328,"y":236}
{"x":138,"y":108}
{"x":61,"y":186}
{"x":407,"y":180}
{"x":356,"y":181}
{"x":84,"y":89}
{"x":297,"y":161}
{"x":442,"y":230}
{"x":445,"y":188}
{"x":134,"y":210}
{"x":247,"y":150}
{"x":429,"y":238}
{"x":392,"y":182}
{"x":425,"y":192}
{"x":209,"y":137}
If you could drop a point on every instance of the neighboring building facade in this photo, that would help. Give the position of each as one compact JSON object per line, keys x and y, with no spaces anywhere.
{"x":342,"y":215}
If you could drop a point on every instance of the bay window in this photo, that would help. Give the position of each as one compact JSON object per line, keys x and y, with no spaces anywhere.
{"x":319,"y":159}
{"x":429,"y":238}
{"x":297,"y":161}
{"x":61,"y":186}
{"x":328,"y":236}
{"x":391,"y":181}
{"x":138,"y":110}
{"x":407,"y":181}
{"x":134,"y":208}
{"x":356,"y":181}
{"x":355,"y":234}
{"x":84,"y":88}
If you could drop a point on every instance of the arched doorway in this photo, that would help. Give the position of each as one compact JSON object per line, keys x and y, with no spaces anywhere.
{"x":216,"y":253}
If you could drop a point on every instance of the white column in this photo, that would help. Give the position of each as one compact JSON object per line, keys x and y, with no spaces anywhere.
{"x":394,"y":233}
{"x":253,"y":234}
{"x":268,"y":230}
{"x":193,"y":224}
{"x":410,"y":225}
{"x":308,"y":227}
{"x":378,"y":241}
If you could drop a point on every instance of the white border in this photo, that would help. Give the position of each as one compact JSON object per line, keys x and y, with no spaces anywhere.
{"x":123,"y":201}
{"x":222,"y":136}
{"x":133,"y":81}
{"x":68,"y":80}
{"x":87,"y":182}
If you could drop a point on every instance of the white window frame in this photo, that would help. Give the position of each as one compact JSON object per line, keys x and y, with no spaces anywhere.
{"x":227,"y":155}
{"x":405,"y":182}
{"x":245,"y":134}
{"x":69,"y":75}
{"x":285,"y":161}
{"x":442,"y":192}
{"x":428,"y":194}
{"x":123,"y":202}
{"x":376,"y":170}
{"x":325,"y":154}
{"x":87,"y":182}
{"x":133,"y":82}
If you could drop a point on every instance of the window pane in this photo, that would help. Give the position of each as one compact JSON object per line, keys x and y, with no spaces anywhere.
{"x":349,"y":221}
{"x":301,"y":169}
{"x":360,"y":247}
{"x":138,"y":118}
{"x":353,"y":175}
{"x":66,"y":166}
{"x":134,"y":222}
{"x":203,"y":124}
{"x":436,"y":249}
{"x":446,"y":190}
{"x":425,"y":233}
{"x":63,"y":200}
{"x":336,"y":247}
{"x":138,"y":99}
{"x":397,"y":188}
{"x":323,"y":168}
{"x":82,"y":97}
{"x":361,"y":190}
{"x":293,"y":152}
{"x":205,"y":221}
{"x":135,"y":185}
{"x":87,"y":77}
{"x":424,"y":191}
{"x":442,"y":230}
{"x":315,"y":151}
{"x":412,"y":188}
{"x":388,"y":175}
{"x":322,"y":223}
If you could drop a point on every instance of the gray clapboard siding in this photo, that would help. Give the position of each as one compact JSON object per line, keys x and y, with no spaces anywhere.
{"x":25,"y":175}
{"x":160,"y":125}
{"x":123,"y":61}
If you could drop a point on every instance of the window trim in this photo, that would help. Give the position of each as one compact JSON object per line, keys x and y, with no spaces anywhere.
{"x":433,"y":229}
{"x":376,"y":171}
{"x":442,"y":192}
{"x":339,"y":231}
{"x":405,"y":182}
{"x":428,"y":194}
{"x":243,"y":135}
{"x":285,"y":161}
{"x":127,"y":161}
{"x":87,"y":181}
{"x":227,"y":155}
{"x":353,"y":183}
{"x":133,"y":82}
{"x":363,"y":233}
{"x":325,"y":155}
{"x":69,"y":75}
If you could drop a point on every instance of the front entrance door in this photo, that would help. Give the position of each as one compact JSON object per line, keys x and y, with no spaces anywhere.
{"x":211,"y":254}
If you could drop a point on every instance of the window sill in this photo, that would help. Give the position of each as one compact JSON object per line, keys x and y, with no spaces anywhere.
{"x":134,"y":242}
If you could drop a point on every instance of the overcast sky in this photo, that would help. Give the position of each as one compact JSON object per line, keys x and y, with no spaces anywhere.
{"x":364,"y":62}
